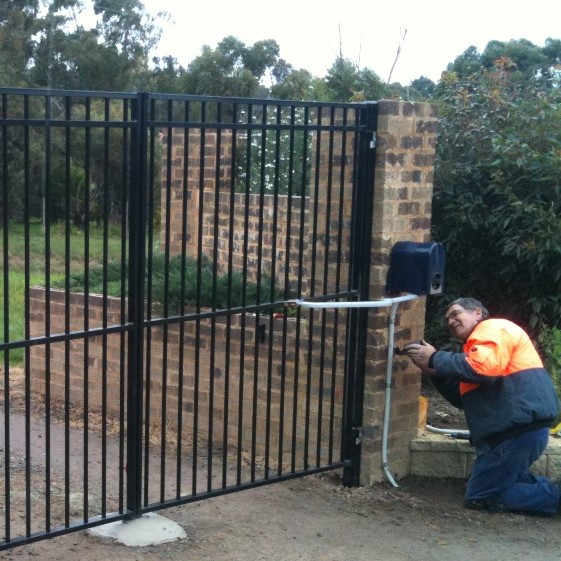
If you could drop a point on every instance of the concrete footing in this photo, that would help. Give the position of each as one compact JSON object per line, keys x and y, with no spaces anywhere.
{"x":149,"y":529}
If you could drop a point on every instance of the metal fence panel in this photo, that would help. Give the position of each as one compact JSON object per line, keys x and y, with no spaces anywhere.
{"x":150,"y":245}
{"x":65,"y":182}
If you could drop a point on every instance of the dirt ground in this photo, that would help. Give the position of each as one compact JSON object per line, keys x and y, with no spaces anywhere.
{"x":316,"y":518}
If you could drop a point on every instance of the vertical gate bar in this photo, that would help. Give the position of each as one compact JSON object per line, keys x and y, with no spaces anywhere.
{"x":348,"y":425}
{"x":285,"y":277}
{"x":185,"y":208}
{"x":105,"y":259}
{"x":326,"y":264}
{"x":360,"y":279}
{"x":86,"y":393}
{"x":247,"y":199}
{"x":313,"y":271}
{"x":296,"y":380}
{"x":258,"y":296}
{"x":166,"y":310}
{"x":6,"y":326}
{"x":350,"y":327}
{"x":278,"y":142}
{"x":47,"y":229}
{"x":67,"y":315}
{"x":231,"y":222}
{"x":27,"y":275}
{"x":215,"y":247}
{"x":339,"y":260}
{"x":137,"y":240}
{"x":124,"y":337}
{"x":148,"y":224}
{"x":197,"y":364}
{"x":286,"y":284}
{"x":152,"y":205}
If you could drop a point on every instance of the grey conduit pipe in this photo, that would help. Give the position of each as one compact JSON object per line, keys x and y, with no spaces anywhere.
{"x":393,"y":304}
{"x":454,"y":433}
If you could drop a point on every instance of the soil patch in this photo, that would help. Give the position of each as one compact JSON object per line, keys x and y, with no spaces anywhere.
{"x":316,"y":518}
{"x":441,"y":414}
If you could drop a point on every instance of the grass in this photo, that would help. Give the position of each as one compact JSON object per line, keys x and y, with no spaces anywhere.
{"x":14,"y":256}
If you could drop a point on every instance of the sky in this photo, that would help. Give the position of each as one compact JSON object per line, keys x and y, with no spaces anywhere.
{"x":312,"y":33}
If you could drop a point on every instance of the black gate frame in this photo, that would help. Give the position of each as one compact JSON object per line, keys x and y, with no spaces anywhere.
{"x":146,"y":118}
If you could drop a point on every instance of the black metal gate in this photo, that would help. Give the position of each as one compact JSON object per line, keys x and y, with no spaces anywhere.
{"x":151,"y":248}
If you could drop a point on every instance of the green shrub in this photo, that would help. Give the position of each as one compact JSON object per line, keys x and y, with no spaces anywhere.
{"x":180,"y":282}
{"x":550,"y":344}
{"x":497,"y":194}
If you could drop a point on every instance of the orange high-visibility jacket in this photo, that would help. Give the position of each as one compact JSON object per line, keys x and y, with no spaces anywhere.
{"x":499,"y":381}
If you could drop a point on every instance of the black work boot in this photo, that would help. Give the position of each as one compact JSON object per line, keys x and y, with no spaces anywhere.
{"x":490,"y":504}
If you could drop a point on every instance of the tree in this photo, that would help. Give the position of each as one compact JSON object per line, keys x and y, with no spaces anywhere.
{"x":261,"y":56}
{"x":497,"y":202}
{"x":523,"y":59}
{"x":79,"y":60}
{"x":468,"y":63}
{"x":527,"y":59}
{"x":112,"y":56}
{"x":424,"y":88}
{"x":215,"y":73}
{"x":552,"y":50}
{"x":18,"y":23}
{"x":165,"y":76}
{"x":231,"y":69}
{"x":297,"y":85}
{"x":346,"y":82}
{"x":126,"y":26}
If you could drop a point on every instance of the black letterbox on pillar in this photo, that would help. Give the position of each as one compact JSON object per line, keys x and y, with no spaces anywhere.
{"x":416,"y":268}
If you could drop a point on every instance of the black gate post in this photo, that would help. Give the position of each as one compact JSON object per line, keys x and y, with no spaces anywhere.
{"x":137,"y":251}
{"x":361,"y":242}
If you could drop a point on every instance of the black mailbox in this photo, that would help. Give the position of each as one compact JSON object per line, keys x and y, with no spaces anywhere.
{"x":416,"y":268}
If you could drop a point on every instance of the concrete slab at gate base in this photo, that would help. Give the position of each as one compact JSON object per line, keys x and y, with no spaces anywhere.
{"x":148,"y":529}
{"x":435,"y":455}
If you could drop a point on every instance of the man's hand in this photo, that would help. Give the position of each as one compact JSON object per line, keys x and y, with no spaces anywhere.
{"x":420,"y":354}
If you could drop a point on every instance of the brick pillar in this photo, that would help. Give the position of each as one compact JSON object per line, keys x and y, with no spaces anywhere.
{"x":402,"y":209}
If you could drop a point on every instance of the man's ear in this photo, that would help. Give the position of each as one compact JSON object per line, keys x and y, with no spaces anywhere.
{"x":478,"y":313}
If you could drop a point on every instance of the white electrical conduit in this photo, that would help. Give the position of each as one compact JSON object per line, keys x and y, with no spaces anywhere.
{"x":454,"y":433}
{"x":383,"y":303}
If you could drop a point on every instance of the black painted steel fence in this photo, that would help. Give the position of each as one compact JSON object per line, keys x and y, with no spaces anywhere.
{"x":151,"y":246}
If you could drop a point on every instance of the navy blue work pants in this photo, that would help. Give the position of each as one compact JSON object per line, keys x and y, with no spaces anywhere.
{"x":500,"y":479}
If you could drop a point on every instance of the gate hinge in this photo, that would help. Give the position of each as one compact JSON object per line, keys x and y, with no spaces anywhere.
{"x":364,"y":432}
{"x":373,"y":141}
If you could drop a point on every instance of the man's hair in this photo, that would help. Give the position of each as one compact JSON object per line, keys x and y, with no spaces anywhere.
{"x":470,"y":304}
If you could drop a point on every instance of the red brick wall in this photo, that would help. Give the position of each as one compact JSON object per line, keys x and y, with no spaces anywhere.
{"x":215,"y":354}
{"x":86,"y":365}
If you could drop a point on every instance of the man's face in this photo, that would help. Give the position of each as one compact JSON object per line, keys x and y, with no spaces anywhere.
{"x":461,"y":321}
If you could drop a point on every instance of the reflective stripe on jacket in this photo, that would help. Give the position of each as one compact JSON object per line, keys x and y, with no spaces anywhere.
{"x":500,"y":382}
